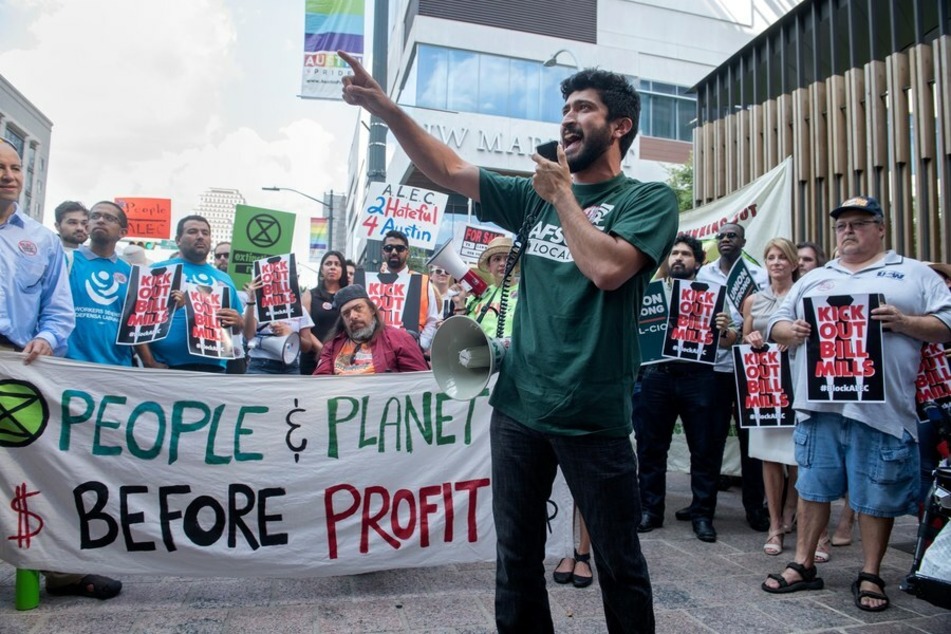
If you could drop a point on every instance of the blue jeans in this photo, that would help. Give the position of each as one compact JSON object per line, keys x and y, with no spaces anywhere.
{"x":601,"y":473}
{"x":669,"y":390}
{"x":754,"y":492}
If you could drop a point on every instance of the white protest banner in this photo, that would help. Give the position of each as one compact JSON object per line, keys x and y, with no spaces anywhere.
{"x":126,"y":470}
{"x":415,"y":211}
{"x":763,"y":208}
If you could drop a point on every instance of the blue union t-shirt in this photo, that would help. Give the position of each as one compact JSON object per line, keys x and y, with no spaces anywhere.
{"x":99,"y":287}
{"x":173,"y":349}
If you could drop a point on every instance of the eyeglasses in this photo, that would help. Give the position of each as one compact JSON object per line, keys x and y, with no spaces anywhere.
{"x":226,"y":254}
{"x":437,"y":271}
{"x":98,"y":215}
{"x":849,"y":225}
{"x":390,"y":248}
{"x":729,"y":235}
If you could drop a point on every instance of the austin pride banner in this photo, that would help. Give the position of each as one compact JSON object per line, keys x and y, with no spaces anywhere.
{"x":126,"y":470}
{"x":329,"y":26}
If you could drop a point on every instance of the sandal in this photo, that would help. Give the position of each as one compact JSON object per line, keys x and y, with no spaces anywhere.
{"x":563,"y":577}
{"x":808,"y":581}
{"x":774,"y":543}
{"x":822,"y":551}
{"x":858,"y":594}
{"x":582,"y":581}
{"x":91,"y":586}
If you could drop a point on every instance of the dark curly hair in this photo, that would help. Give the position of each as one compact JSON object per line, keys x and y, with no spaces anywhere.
{"x":615,"y":91}
{"x":695,"y":245}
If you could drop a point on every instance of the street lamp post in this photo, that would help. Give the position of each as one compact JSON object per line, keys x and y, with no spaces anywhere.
{"x":330,"y":209}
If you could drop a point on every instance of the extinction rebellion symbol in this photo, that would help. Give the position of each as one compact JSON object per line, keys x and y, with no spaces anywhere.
{"x":264,"y":231}
{"x":23,"y":413}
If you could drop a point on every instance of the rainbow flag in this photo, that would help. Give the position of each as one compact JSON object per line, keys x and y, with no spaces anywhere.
{"x":318,"y":238}
{"x":330,"y":26}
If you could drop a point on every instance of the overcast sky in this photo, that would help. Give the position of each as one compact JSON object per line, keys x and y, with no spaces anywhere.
{"x":166,"y":99}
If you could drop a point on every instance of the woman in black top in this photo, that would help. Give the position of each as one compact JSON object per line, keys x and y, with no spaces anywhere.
{"x":319,"y":303}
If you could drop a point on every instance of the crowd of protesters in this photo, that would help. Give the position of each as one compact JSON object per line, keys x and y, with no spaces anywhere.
{"x":545,"y":412}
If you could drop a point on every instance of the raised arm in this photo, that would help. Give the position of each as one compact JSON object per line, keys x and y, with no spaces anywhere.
{"x":435,"y":159}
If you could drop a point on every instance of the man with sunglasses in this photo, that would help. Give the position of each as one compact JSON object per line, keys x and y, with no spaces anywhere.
{"x":98,"y":279}
{"x":563,"y":396}
{"x":730,"y":242}
{"x":395,"y":257}
{"x":868,"y":449}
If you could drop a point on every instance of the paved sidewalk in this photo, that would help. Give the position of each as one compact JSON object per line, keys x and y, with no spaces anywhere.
{"x":698,"y":587}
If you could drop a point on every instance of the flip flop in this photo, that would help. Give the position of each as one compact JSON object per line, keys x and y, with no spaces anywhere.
{"x":809,"y":580}
{"x":91,"y":586}
{"x":858,"y":594}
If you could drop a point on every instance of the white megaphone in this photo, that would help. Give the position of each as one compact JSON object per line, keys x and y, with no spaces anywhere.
{"x":446,"y":257}
{"x":286,"y":348}
{"x":464,"y":357}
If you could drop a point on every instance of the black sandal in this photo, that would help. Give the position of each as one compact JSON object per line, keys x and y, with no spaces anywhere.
{"x":858,"y":594}
{"x":809,"y":580}
{"x":580,"y":581}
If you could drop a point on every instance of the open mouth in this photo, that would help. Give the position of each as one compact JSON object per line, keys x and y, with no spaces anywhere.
{"x":570,"y":139}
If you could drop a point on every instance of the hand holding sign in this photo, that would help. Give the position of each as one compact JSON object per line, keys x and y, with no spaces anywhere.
{"x":891,"y":317}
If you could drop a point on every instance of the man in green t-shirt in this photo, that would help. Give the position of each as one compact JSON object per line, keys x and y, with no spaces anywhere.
{"x":563,"y":397}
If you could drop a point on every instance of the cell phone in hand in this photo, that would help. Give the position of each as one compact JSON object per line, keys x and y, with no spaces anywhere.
{"x":548,"y":150}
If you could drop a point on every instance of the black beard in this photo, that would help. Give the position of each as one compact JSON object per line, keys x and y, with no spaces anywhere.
{"x":681,"y":273}
{"x":593,"y":146}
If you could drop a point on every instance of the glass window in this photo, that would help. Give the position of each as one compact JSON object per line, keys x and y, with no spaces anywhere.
{"x":466,"y":81}
{"x":463,"y":78}
{"x":433,"y":77}
{"x":14,"y":138}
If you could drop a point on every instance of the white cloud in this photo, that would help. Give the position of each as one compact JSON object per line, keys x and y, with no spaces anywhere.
{"x":167,"y":99}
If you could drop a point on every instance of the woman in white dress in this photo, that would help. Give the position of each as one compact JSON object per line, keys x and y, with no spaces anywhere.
{"x":774,"y":446}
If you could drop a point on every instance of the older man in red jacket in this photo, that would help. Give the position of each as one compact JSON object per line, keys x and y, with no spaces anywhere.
{"x":363,"y":344}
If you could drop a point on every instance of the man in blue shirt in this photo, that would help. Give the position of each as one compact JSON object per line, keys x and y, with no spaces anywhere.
{"x":193,"y":237}
{"x":36,"y":315}
{"x":98,"y":279}
{"x":36,"y":310}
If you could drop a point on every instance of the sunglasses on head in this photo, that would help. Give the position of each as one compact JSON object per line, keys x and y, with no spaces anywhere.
{"x":390,"y":248}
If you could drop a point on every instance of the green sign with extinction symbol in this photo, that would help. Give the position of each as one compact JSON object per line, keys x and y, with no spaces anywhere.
{"x":23,"y":413}
{"x":257,"y":234}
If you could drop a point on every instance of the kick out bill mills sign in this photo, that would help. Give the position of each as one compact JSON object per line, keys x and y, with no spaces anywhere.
{"x":692,"y":334}
{"x":844,"y":350}
{"x":184,"y":473}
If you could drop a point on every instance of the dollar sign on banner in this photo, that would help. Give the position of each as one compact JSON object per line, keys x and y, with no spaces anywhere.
{"x":18,"y":504}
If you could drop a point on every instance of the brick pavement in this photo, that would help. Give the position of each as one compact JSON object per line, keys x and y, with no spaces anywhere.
{"x":698,"y":587}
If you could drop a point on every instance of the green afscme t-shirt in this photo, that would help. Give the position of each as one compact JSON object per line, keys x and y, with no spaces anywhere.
{"x":574,"y":355}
